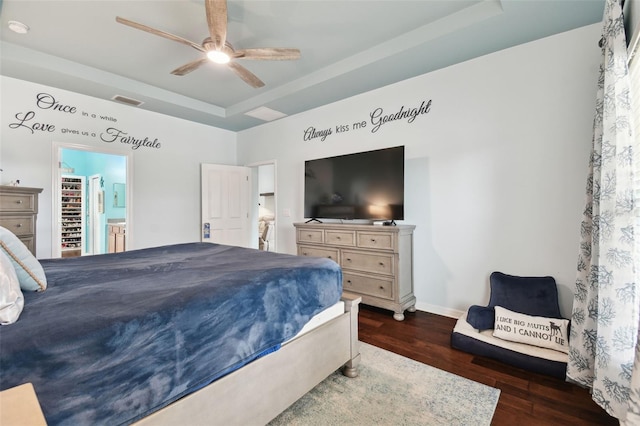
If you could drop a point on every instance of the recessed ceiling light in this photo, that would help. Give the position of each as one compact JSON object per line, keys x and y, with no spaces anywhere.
{"x":18,"y":27}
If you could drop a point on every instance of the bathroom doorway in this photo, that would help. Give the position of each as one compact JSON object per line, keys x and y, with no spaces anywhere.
{"x":265,"y":199}
{"x":91,"y":193}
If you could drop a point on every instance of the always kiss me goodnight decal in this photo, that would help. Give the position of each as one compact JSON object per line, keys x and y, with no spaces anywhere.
{"x":377,"y":118}
{"x":54,"y":109}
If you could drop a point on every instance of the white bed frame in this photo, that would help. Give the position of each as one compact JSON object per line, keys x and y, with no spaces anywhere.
{"x":259,"y":391}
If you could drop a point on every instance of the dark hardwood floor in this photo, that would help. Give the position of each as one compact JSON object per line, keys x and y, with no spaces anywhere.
{"x":525,"y":398}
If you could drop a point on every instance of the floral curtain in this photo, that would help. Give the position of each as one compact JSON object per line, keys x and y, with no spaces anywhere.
{"x":604,"y":327}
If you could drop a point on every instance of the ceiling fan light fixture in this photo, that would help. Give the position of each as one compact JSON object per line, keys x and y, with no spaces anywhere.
{"x":218,"y":57}
{"x":18,"y":27}
{"x":216,"y":47}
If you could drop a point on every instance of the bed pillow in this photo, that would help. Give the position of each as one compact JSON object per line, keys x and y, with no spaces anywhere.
{"x":537,"y":296}
{"x":551,"y":333}
{"x":481,"y":317}
{"x":11,"y":298}
{"x":29,"y":271}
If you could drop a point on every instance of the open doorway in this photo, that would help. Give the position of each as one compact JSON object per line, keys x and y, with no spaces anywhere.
{"x":92,"y":200}
{"x":266,"y":203}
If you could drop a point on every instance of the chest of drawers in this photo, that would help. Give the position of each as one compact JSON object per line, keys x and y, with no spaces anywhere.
{"x":376,"y":261}
{"x":18,"y":213}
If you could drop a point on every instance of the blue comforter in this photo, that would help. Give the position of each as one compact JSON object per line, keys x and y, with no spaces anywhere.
{"x":116,"y":337}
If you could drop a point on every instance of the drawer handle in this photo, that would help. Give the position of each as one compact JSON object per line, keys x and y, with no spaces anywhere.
{"x":348,"y":259}
{"x":309,"y":235}
{"x":373,"y":240}
{"x":18,"y":225}
{"x":381,"y":287}
{"x":19,"y":201}
{"x":329,"y":257}
{"x":304,"y":253}
{"x":349,"y":281}
{"x":380,"y":263}
{"x":338,"y":237}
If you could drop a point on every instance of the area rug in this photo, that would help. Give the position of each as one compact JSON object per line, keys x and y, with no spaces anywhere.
{"x":393,"y":390}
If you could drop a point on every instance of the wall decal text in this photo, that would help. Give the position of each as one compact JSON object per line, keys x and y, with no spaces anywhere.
{"x":27,"y":121}
{"x":112,"y":134}
{"x":377,"y":118}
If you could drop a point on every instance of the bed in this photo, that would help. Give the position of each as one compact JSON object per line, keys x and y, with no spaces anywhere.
{"x":183,"y":334}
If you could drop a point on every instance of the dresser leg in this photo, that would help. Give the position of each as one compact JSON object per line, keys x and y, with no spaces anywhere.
{"x":398,"y":316}
{"x":411,"y":308}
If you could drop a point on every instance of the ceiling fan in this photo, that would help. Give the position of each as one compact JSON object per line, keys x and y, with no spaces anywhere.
{"x":216,"y":47}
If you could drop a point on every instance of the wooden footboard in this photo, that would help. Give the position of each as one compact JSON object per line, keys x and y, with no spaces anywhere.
{"x":259,"y":391}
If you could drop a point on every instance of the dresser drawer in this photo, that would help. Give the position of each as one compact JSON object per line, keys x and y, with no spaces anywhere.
{"x":340,"y":238}
{"x":378,"y":240}
{"x":310,"y":235}
{"x":18,"y":203}
{"x":19,"y":225}
{"x":379,"y":287}
{"x":318,"y":252}
{"x":28,"y":241}
{"x":368,"y":262}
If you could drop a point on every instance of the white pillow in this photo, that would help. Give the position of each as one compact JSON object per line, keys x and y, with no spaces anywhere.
{"x":551,"y":333}
{"x":11,"y":298}
{"x":29,"y":271}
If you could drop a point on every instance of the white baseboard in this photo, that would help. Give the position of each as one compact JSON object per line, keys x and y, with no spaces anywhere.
{"x":439,"y":310}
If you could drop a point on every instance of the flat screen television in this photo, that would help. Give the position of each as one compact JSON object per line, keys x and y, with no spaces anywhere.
{"x":365,"y":185}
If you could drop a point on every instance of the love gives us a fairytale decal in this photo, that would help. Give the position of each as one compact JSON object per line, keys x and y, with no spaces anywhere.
{"x":54,"y":109}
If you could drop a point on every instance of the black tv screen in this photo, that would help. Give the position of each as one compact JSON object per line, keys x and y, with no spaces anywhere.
{"x":366,"y":185}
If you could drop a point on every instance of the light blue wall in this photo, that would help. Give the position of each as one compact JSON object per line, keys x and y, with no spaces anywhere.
{"x":494,"y":173}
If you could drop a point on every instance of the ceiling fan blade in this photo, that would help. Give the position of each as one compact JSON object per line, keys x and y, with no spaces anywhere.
{"x":246,"y":75}
{"x":268,"y":54}
{"x":217,"y":20}
{"x":187,"y":68}
{"x":159,"y":33}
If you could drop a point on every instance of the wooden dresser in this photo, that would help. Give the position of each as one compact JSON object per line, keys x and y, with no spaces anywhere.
{"x":376,"y":261}
{"x":18,"y":212}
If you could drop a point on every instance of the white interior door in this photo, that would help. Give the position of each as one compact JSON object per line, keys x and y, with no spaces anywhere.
{"x":226,"y":200}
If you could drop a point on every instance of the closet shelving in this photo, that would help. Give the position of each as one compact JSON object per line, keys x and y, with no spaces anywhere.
{"x":72,"y":193}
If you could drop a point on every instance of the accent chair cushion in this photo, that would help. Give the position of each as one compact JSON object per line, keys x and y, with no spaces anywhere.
{"x":536,"y":296}
{"x":29,"y":271}
{"x":481,"y":317}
